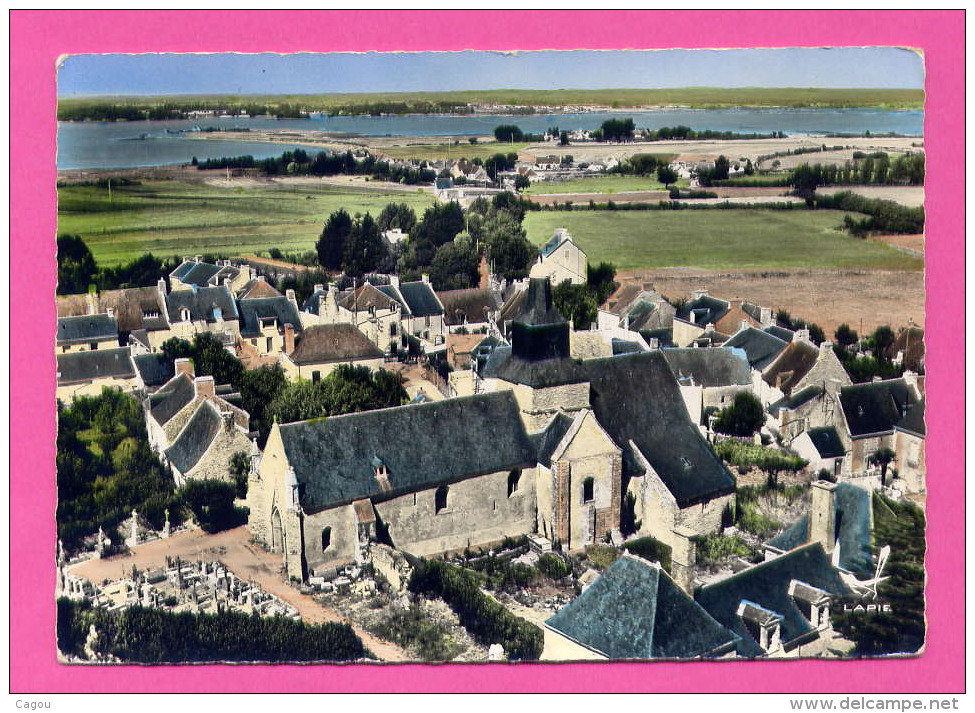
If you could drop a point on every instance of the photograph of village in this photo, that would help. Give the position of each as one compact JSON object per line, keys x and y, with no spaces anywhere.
{"x":485,"y":357}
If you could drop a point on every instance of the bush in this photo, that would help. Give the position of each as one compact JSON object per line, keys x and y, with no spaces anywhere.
{"x":651,"y":549}
{"x":212,"y":504}
{"x":602,"y":556}
{"x":553,"y":566}
{"x":743,"y":417}
{"x":714,"y":548}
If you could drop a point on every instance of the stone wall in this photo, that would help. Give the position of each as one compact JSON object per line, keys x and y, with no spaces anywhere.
{"x":343,"y":538}
{"x":704,"y":518}
{"x":910,"y":461}
{"x":215,"y":463}
{"x":539,"y":405}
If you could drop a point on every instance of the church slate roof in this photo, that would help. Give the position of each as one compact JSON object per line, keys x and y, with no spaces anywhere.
{"x":498,"y":357}
{"x":547,"y":441}
{"x":538,"y":374}
{"x":252,"y":311}
{"x":333,"y":342}
{"x":422,"y":446}
{"x":708,"y":367}
{"x":98,"y":364}
{"x":203,"y":304}
{"x":196,"y":437}
{"x":635,"y":611}
{"x":760,"y":347}
{"x":877,"y":407}
{"x":792,"y":365}
{"x":635,"y":397}
{"x":172,"y":398}
{"x":86,"y":328}
{"x":767,"y":585}
{"x":854,"y":519}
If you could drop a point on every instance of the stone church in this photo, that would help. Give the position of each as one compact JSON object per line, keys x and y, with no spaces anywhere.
{"x":552,"y":450}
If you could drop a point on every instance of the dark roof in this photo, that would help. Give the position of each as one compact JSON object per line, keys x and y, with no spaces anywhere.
{"x":703,"y":311}
{"x":623,"y":346}
{"x":664,"y":337}
{"x":539,"y":332}
{"x":767,"y":585}
{"x":709,"y":339}
{"x":473,"y":305}
{"x":252,"y":311}
{"x":155,"y":369}
{"x":805,"y":395}
{"x":172,"y":398}
{"x":791,"y":366}
{"x":854,"y":517}
{"x":708,"y":367}
{"x":512,"y":306}
{"x":312,"y":303}
{"x":130,"y":306}
{"x":547,"y":441}
{"x":498,"y":358}
{"x":650,"y":315}
{"x":635,"y":611}
{"x":539,"y":374}
{"x":422,"y":446}
{"x":86,"y":328}
{"x":781,"y":332}
{"x":98,"y":364}
{"x":827,"y":442}
{"x":760,"y":347}
{"x":195,"y":438}
{"x":636,"y":398}
{"x":420,"y":298}
{"x":878,"y":407}
{"x":333,"y":342}
{"x":202,"y":274}
{"x":555,"y":242}
{"x":203,"y":303}
{"x":914,"y":421}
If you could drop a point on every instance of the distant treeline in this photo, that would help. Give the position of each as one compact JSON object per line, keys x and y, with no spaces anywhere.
{"x":324,"y":163}
{"x":883,"y":216}
{"x":142,"y":635}
{"x":106,"y":111}
{"x":872,"y":169}
{"x":686,"y":133}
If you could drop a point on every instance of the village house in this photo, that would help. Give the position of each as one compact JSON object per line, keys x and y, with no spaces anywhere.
{"x":257,"y":287}
{"x":634,"y":611}
{"x":203,"y":447}
{"x":87,"y":333}
{"x":154,"y":370}
{"x":708,"y":378}
{"x":760,"y":347}
{"x":374,"y":313}
{"x":799,"y":365}
{"x":421,"y":313}
{"x":196,"y":273}
{"x":86,"y":373}
{"x":704,"y":314}
{"x":139,"y":311}
{"x":322,"y":348}
{"x":197,"y":310}
{"x":469,"y":310}
{"x":780,"y":608}
{"x":561,"y":260}
{"x":268,"y":327}
{"x":823,"y":449}
{"x":637,"y":313}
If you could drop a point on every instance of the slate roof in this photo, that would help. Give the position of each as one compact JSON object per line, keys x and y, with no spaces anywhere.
{"x":555,"y":242}
{"x":760,"y":347}
{"x":471,"y":305}
{"x":333,"y":342}
{"x":538,"y":374}
{"x":767,"y":585}
{"x":422,"y":446}
{"x":623,"y":346}
{"x":827,"y":442}
{"x":791,"y":366}
{"x":252,"y":311}
{"x":709,"y":339}
{"x":635,"y":397}
{"x":649,"y":315}
{"x":421,"y":299}
{"x":854,"y":518}
{"x":512,"y":306}
{"x":202,"y":303}
{"x":914,"y":421}
{"x":803,"y":396}
{"x":635,"y":611}
{"x":498,"y":358}
{"x":665,"y":337}
{"x":98,"y":364}
{"x":547,"y":441}
{"x":363,"y":297}
{"x":257,"y":288}
{"x":878,"y":407}
{"x":86,"y":328}
{"x":203,"y":274}
{"x":708,"y":367}
{"x":155,"y":369}
{"x":703,"y":311}
{"x":129,"y":304}
{"x":781,"y":332}
{"x":196,"y":437}
{"x":172,"y":398}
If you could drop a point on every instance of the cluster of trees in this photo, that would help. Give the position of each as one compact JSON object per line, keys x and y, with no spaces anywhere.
{"x":900,"y":630}
{"x":78,"y":270}
{"x":510,"y":133}
{"x":484,"y":618}
{"x":106,"y":111}
{"x":686,"y":133}
{"x":873,"y":169}
{"x":212,"y":504}
{"x":354,"y":245}
{"x":105,"y":468}
{"x":816,"y":334}
{"x":882,"y":216}
{"x":326,"y":163}
{"x":618,"y":130}
{"x":862,"y":369}
{"x":152,"y":636}
{"x":580,"y":303}
{"x":496,"y":226}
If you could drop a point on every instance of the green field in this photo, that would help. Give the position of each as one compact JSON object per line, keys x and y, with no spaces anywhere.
{"x":437,"y":152}
{"x":600,"y":184}
{"x":186,"y":218}
{"x":718,"y":239}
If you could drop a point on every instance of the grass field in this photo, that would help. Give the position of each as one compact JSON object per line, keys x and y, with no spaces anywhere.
{"x":464,"y":149}
{"x":599,"y":184}
{"x":183,"y":218}
{"x":718,"y":239}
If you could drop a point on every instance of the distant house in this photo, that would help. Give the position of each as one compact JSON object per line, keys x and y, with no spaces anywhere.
{"x":139,"y":311}
{"x":86,"y":373}
{"x":268,"y":325}
{"x":255,"y":288}
{"x":823,"y":448}
{"x":907,"y":350}
{"x":196,"y":273}
{"x":561,"y":260}
{"x":760,"y":347}
{"x":324,"y":347}
{"x":722,"y":316}
{"x":87,"y":333}
{"x":634,"y":611}
{"x":637,"y":309}
{"x":708,"y":378}
{"x":799,"y":365}
{"x":376,"y":314}
{"x":780,"y":608}
{"x":471,"y":309}
{"x":421,"y":313}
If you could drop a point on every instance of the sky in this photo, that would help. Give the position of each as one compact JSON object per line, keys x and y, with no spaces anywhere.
{"x":159,"y":74}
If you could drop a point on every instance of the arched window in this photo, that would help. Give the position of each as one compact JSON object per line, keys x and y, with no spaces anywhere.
{"x":588,"y":490}
{"x":513,"y":481}
{"x":441,"y":499}
{"x":326,"y":538}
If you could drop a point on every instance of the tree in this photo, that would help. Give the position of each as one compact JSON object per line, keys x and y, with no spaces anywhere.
{"x":575,"y":302}
{"x":881,"y":340}
{"x":212,"y":504}
{"x":346,"y":390}
{"x":239,"y":467}
{"x":882,"y":457}
{"x":666,"y":175}
{"x":365,"y":250}
{"x":507,"y":133}
{"x":618,"y":130}
{"x":397,"y":215}
{"x":845,"y":336}
{"x":743,"y":417}
{"x":564,"y":138}
{"x":721,"y":168}
{"x":331,"y":244}
{"x":455,"y":265}
{"x":521,"y":182}
{"x":601,"y":280}
{"x":211,"y":358}
{"x":76,"y":265}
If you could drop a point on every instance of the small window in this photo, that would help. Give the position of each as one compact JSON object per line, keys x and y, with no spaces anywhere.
{"x":93,"y":346}
{"x":326,"y":538}
{"x":270,"y":344}
{"x":392,"y":329}
{"x":316,"y":376}
{"x":588,"y":490}
{"x":440,"y":498}
{"x":513,"y":481}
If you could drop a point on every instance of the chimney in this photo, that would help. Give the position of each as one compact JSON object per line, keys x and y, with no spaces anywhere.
{"x":394,"y":281}
{"x":765,"y":316}
{"x":161,"y":286}
{"x":290,"y":294}
{"x":801,"y":335}
{"x":910,"y":378}
{"x":319,"y":288}
{"x":110,"y":313}
{"x":197,"y":258}
{"x":91,"y":299}
{"x":205,"y":387}
{"x":825,"y":348}
{"x":289,"y":339}
{"x":184,"y":366}
{"x":743,"y":324}
{"x":698,"y":294}
{"x":425,"y":277}
{"x":822,"y":514}
{"x":228,"y":420}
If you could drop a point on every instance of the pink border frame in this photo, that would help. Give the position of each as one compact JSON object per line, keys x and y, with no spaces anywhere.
{"x":37,"y":38}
